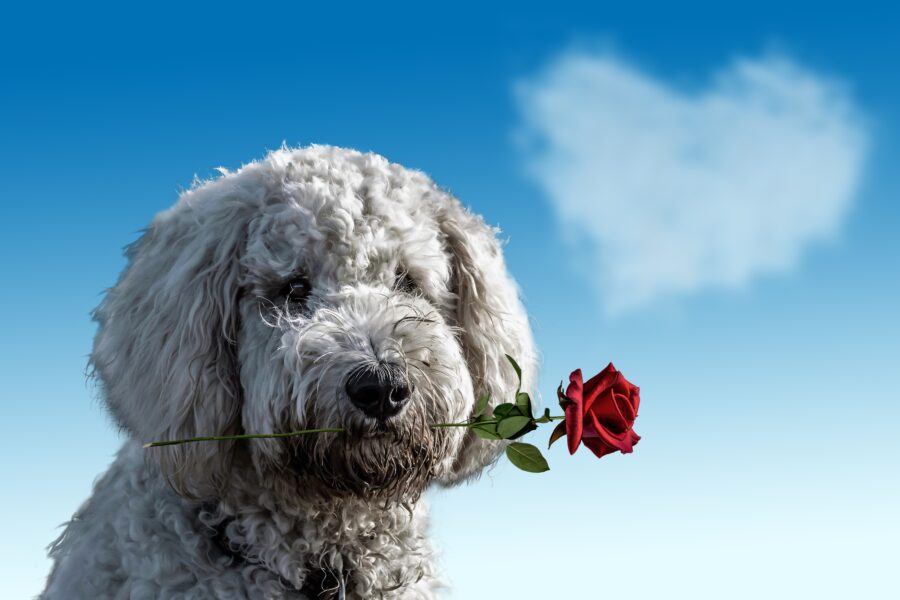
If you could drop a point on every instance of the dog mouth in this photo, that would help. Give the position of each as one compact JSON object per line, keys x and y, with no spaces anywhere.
{"x":372,"y":458}
{"x":356,"y":423}
{"x":373,"y":429}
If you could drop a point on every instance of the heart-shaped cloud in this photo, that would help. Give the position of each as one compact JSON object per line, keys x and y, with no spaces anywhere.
{"x":680,"y":191}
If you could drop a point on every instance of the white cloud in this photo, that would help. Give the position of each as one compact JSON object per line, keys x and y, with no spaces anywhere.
{"x":677,"y":191}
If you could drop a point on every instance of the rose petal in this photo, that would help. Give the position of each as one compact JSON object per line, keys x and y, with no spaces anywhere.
{"x":599,"y":447}
{"x":588,"y":429}
{"x":625,"y":407}
{"x":635,"y":438}
{"x":574,"y":411}
{"x":575,"y":389}
{"x":621,"y":441}
{"x":599,"y":383}
{"x":608,"y":412}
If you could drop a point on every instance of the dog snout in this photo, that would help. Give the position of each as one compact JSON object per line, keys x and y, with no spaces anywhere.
{"x":380,"y":392}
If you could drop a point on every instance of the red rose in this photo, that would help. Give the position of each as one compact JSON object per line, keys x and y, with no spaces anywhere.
{"x":600,"y":412}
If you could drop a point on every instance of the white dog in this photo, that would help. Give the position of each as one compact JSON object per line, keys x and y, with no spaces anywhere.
{"x":318,"y":288}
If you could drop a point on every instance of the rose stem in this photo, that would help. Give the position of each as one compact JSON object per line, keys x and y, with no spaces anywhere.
{"x":256,"y":436}
{"x":493,"y":421}
{"x":246,"y":436}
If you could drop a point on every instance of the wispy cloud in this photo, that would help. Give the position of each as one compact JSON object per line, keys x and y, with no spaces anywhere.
{"x":676,"y":191}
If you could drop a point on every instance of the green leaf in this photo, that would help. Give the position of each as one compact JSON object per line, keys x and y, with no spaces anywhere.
{"x":510,"y":426}
{"x":518,"y":370}
{"x":486,"y":431}
{"x":526,"y":457}
{"x":523,"y":403}
{"x":524,"y":431}
{"x":482,"y":403}
{"x":501,"y":411}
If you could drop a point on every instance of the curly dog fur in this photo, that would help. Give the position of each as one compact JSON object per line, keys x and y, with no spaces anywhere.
{"x":248,"y":307}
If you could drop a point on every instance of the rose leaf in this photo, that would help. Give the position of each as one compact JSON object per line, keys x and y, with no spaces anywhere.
{"x":523,"y":403}
{"x":524,"y":431}
{"x":526,"y":457}
{"x":482,"y":403}
{"x":518,"y":370}
{"x":501,"y":411}
{"x":486,"y":431}
{"x":510,"y":426}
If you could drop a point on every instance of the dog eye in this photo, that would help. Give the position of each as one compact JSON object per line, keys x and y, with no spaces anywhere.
{"x":297,"y":290}
{"x":405,"y":283}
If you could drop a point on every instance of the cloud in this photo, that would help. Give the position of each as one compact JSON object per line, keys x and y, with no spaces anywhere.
{"x":675,"y":191}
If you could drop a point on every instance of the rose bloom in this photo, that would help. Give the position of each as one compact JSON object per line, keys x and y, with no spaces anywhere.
{"x":599,"y":412}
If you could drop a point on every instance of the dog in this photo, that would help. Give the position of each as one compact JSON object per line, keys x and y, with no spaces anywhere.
{"x":317,"y":288}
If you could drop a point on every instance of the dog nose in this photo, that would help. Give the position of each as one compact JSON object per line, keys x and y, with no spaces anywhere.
{"x":379,"y":392}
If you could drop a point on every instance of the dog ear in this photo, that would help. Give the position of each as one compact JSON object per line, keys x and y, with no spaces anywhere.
{"x":492,"y":323}
{"x":164,"y":352}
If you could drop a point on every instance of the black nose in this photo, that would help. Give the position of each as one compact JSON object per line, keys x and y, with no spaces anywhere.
{"x":379,"y":391}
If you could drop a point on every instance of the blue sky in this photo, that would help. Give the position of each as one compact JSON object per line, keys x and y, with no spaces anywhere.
{"x":767,"y":363}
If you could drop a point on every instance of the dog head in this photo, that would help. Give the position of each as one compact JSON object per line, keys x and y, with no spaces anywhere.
{"x":318,"y":288}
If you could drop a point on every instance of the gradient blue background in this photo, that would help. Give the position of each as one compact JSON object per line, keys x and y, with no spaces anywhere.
{"x":768,"y":465}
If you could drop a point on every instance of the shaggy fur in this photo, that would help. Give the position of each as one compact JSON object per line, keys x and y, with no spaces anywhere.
{"x":202,"y":335}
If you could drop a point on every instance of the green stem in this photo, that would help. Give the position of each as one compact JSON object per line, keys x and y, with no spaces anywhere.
{"x":490,"y":422}
{"x":467,"y":424}
{"x":246,"y":436}
{"x":258,"y":436}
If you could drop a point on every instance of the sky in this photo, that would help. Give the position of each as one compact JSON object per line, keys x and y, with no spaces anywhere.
{"x":705,"y":196}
